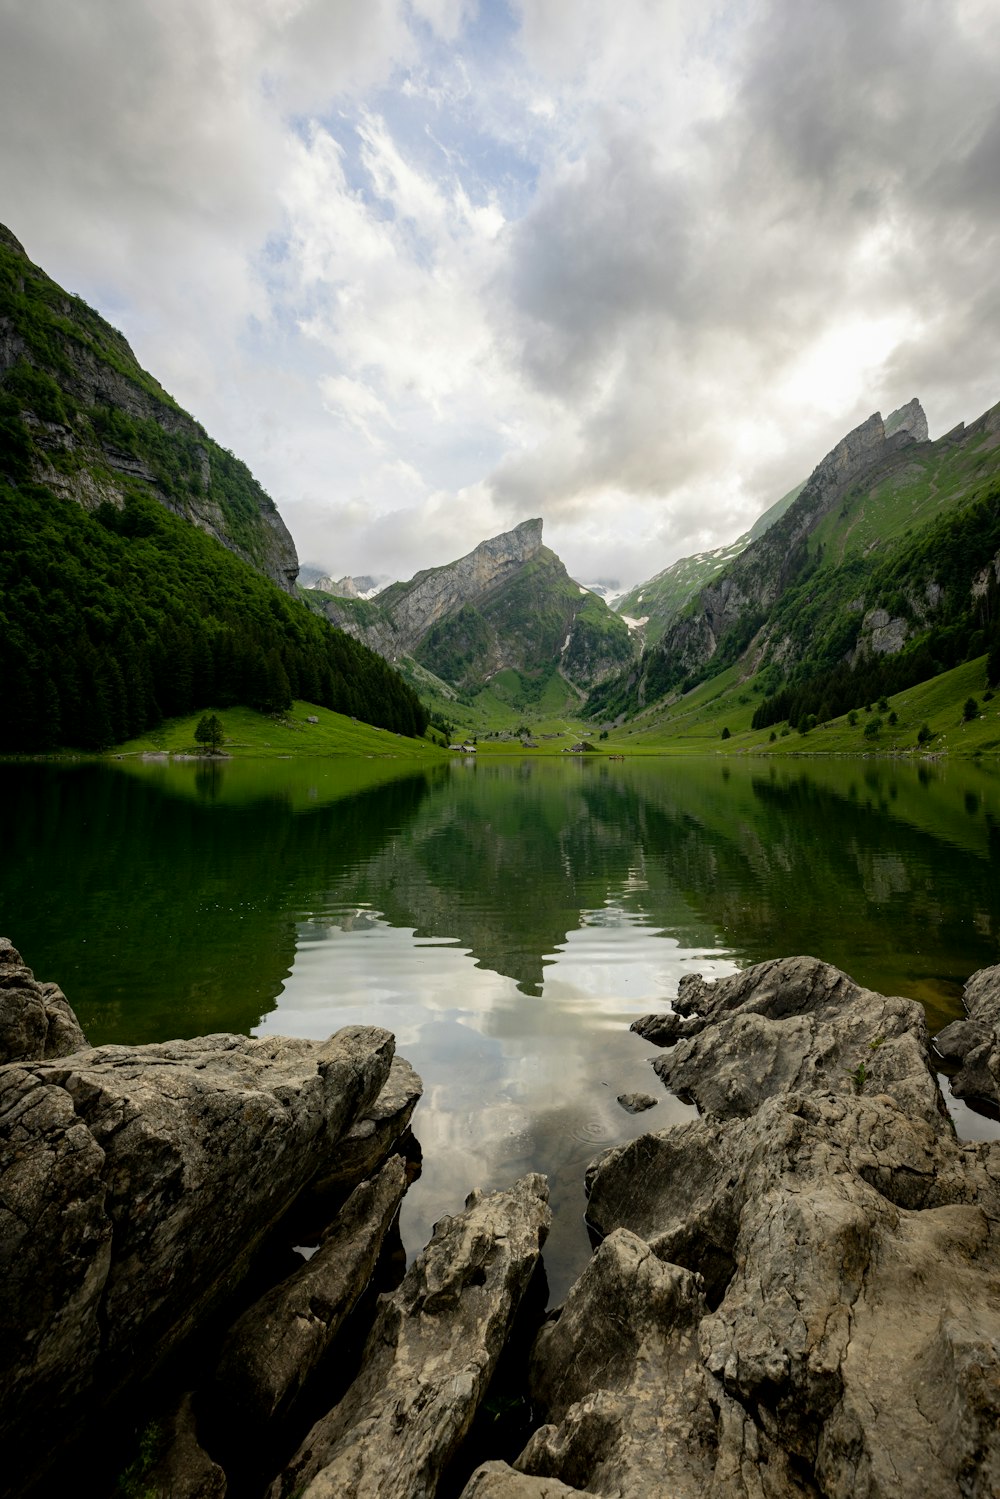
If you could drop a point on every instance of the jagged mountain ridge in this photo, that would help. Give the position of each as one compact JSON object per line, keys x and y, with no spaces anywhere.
{"x":733,"y":607}
{"x":660,"y":599}
{"x":889,"y":553}
{"x":102,"y":427}
{"x":657,"y":602}
{"x":508,"y":605}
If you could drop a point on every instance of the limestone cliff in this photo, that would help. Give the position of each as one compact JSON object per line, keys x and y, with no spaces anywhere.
{"x":507,"y":605}
{"x":430,"y":595}
{"x":101,"y":427}
{"x":734,"y":606}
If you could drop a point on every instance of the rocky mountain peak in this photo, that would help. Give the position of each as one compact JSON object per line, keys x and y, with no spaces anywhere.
{"x":12,"y":242}
{"x":909,"y":418}
{"x":431,"y":594}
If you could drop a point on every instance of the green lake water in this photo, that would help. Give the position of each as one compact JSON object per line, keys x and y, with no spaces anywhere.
{"x":506,"y":919}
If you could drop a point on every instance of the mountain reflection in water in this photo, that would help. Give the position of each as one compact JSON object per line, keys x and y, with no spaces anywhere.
{"x":505,"y":919}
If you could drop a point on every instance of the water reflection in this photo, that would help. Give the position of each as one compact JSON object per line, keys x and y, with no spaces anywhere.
{"x":507,"y":920}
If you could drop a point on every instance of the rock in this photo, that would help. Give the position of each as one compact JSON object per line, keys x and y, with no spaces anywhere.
{"x":636,"y":1103}
{"x":666,"y":1028}
{"x":35,"y":1019}
{"x":955,"y":1042}
{"x":371,"y":1137}
{"x":183,"y":1469}
{"x":430,"y":1355}
{"x":498,"y":1481}
{"x":858,"y":1328}
{"x":137,"y":1185}
{"x":796,"y":1024}
{"x":620,"y":1379}
{"x":427,"y":597}
{"x":276,"y":1345}
{"x":979,"y":1039}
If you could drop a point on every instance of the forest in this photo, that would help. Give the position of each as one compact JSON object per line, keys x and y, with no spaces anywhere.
{"x":114,"y":619}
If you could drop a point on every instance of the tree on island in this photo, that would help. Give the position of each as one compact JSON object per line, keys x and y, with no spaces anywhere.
{"x":209,"y":732}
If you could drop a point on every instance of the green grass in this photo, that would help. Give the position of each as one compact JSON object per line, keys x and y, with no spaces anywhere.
{"x":252,"y":735}
{"x":939,"y":479}
{"x":694,"y":723}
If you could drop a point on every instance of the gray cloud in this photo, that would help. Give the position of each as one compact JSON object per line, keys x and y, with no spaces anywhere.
{"x":734,"y":229}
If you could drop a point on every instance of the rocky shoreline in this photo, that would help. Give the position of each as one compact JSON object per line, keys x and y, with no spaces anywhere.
{"x":797,"y":1293}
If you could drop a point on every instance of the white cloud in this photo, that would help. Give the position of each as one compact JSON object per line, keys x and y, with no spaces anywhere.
{"x":432,"y":267}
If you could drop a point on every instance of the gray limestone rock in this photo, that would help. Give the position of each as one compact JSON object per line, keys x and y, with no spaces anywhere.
{"x":858,"y":1328}
{"x":979,"y":1038}
{"x":271,"y":1352}
{"x":621,"y":1381}
{"x":430,"y":1355}
{"x":666,"y":1028}
{"x":35,"y":1019}
{"x":796,"y":1024}
{"x":956,"y":1040}
{"x":636,"y":1103}
{"x":137,"y":1186}
{"x":499,"y":1481}
{"x":372,"y":1136}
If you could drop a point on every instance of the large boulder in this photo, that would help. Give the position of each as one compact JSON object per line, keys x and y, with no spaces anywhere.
{"x":853,"y":1333}
{"x":430,"y":1355}
{"x":276,"y":1345}
{"x":794,"y":1024}
{"x":974,"y":1043}
{"x":137,"y":1186}
{"x":36,"y":1020}
{"x":621,"y":1381}
{"x":371,"y":1137}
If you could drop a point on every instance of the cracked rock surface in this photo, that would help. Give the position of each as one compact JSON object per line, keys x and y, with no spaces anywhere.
{"x":273,"y":1349}
{"x":975,"y":1042}
{"x":137,"y":1186}
{"x":429,"y":1357}
{"x":372,"y":1136}
{"x":787,"y":1025}
{"x":797,"y":1293}
{"x":35,"y":1019}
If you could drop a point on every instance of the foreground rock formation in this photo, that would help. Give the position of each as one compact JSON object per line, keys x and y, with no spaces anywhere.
{"x":795,"y":1294}
{"x":139,"y":1186}
{"x":975,"y":1043}
{"x":430,"y":1355}
{"x":799,"y":1292}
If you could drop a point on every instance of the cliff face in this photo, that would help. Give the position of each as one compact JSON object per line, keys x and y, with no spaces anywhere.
{"x":102,"y":427}
{"x":438,"y":591}
{"x":508,"y":605}
{"x":733,"y":606}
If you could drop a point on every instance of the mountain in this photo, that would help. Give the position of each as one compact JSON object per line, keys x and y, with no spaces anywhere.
{"x":879,"y":571}
{"x":143,"y":571}
{"x":652,"y":606}
{"x":509,"y":606}
{"x":101,"y":427}
{"x":364,"y":587}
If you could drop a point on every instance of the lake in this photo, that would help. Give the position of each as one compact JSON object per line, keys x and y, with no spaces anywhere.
{"x":506,"y":919}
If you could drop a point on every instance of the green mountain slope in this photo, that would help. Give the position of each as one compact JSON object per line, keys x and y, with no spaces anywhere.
{"x":536,"y":622}
{"x":659,"y":600}
{"x":100,"y":427}
{"x":507,"y":616}
{"x":882,"y":572}
{"x":120,"y":600}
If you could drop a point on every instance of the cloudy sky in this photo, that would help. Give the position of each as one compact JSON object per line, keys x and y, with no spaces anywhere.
{"x":434,"y":266}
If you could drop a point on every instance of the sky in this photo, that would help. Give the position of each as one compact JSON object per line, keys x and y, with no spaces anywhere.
{"x":432,"y":267}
